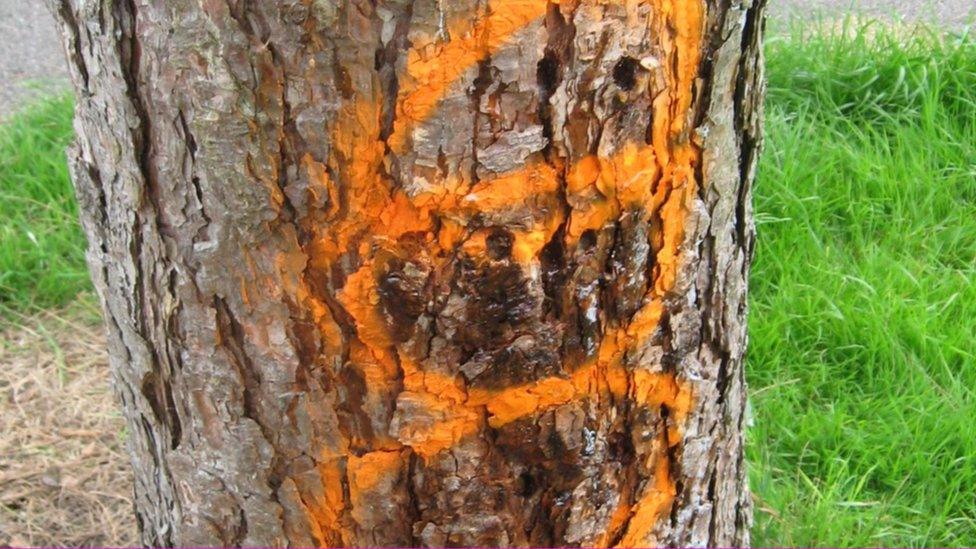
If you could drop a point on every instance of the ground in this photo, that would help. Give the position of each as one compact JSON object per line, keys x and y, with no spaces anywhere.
{"x":30,"y":53}
{"x":947,"y":13}
{"x":64,"y":478}
{"x":862,"y":357}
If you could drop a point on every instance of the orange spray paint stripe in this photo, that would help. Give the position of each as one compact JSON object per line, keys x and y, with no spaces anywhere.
{"x":435,"y":71}
{"x":369,"y":194}
{"x":687,"y":19}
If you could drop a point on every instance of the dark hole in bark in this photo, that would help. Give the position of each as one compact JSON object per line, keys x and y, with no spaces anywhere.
{"x":498,"y":304}
{"x":547,"y":73}
{"x":526,"y":484}
{"x":500,"y":244}
{"x":620,"y":448}
{"x":343,"y":82}
{"x":403,"y":296}
{"x":553,"y":261}
{"x":587,"y":240}
{"x":442,"y":162}
{"x":163,"y":406}
{"x":547,"y":78}
{"x":625,"y":73}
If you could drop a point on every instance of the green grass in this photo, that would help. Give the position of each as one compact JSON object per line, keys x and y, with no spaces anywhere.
{"x":863,"y":327}
{"x":42,"y":259}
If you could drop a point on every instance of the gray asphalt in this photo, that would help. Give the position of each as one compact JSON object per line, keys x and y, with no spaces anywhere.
{"x":31,"y":62}
{"x":949,"y":14}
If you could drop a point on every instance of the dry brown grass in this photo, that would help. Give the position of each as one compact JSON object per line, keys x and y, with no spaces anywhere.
{"x":64,"y":477}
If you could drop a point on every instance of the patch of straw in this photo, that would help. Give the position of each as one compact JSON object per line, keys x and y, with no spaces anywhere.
{"x":64,"y":471}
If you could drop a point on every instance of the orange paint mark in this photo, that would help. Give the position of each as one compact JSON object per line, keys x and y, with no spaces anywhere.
{"x":507,"y":191}
{"x":402,"y":216}
{"x":364,"y":193}
{"x":443,"y":419}
{"x":366,"y":213}
{"x":682,"y":35}
{"x":645,"y":321}
{"x":452,"y":233}
{"x":435,"y":424}
{"x":366,"y":473}
{"x":515,"y":403}
{"x":654,"y":502}
{"x":516,"y":188}
{"x":618,"y":520}
{"x":436,"y":67}
{"x":600,"y":188}
{"x":443,"y":387}
{"x":657,"y":389}
{"x":679,"y":155}
{"x":371,"y":479}
{"x":326,"y":511}
{"x":582,"y":174}
{"x":630,"y":173}
{"x":528,"y":244}
{"x":594,"y":216}
{"x":331,"y":473}
{"x":605,"y":375}
{"x":360,"y":297}
{"x":378,"y":367}
{"x":593,"y":204}
{"x":321,"y":188}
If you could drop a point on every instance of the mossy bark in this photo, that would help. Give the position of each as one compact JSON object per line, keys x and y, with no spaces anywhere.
{"x":418,"y":272}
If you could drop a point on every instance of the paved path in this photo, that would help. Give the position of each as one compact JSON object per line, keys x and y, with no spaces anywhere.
{"x":945,"y":13}
{"x":31,"y":60}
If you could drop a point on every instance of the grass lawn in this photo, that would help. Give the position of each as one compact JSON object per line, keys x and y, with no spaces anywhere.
{"x":42,"y":250}
{"x":863,"y":327}
{"x":863,"y":323}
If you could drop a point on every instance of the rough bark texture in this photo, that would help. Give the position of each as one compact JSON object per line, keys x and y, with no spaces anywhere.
{"x":424,"y":272}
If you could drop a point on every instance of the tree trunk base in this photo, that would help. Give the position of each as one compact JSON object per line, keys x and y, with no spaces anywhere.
{"x":411,"y":272}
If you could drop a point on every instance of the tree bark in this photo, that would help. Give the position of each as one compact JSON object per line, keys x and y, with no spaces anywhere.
{"x":424,"y":272}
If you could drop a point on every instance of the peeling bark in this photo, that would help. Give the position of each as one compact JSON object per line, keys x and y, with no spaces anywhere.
{"x":415,"y":272}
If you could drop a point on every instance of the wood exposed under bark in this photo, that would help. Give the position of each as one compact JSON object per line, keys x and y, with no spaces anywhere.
{"x":424,"y":272}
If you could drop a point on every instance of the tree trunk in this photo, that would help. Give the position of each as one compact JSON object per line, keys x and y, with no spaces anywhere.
{"x":424,"y":272}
